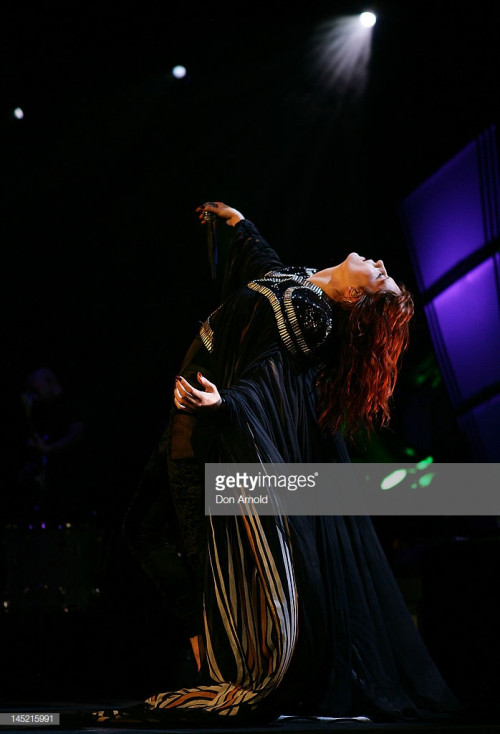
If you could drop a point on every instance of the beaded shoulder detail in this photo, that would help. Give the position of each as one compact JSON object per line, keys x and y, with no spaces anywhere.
{"x":302,"y":310}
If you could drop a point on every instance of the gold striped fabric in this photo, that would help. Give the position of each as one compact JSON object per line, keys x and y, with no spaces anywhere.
{"x":255,"y":610}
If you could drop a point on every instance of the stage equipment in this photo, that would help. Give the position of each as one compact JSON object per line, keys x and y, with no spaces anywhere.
{"x":452,"y":226}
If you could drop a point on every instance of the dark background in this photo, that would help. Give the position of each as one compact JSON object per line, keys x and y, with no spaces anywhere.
{"x":105,"y":275}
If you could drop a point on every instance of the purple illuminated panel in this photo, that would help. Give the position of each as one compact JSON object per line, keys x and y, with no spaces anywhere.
{"x":445,"y":217}
{"x":468,"y":316}
{"x":487,"y":419}
{"x":452,"y":223}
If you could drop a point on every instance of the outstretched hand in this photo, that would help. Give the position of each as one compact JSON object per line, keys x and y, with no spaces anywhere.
{"x":189,"y":399}
{"x":221,"y":210}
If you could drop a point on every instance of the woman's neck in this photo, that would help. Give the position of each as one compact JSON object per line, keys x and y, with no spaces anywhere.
{"x":330,"y":281}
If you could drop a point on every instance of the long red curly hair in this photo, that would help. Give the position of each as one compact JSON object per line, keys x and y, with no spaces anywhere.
{"x":356,"y":381}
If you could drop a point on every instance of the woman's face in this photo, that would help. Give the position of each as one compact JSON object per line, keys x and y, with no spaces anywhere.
{"x":367,"y":275}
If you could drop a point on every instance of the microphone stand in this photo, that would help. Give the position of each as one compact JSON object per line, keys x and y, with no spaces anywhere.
{"x":211,"y":224}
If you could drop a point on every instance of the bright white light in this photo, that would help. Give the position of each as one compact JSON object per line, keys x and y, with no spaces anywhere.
{"x":179,"y":72}
{"x":18,"y":113}
{"x":341,"y":48}
{"x":368,"y":19}
{"x":393,"y":479}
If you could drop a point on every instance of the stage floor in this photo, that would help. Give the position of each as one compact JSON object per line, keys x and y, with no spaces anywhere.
{"x":71,"y":721}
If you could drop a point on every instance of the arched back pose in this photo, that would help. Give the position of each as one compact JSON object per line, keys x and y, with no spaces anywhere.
{"x":286,"y":615}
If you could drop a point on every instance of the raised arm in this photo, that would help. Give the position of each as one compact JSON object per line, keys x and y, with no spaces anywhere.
{"x":249,"y":256}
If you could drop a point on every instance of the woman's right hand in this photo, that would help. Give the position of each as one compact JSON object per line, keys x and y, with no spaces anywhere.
{"x":222,"y":211}
{"x":190,"y":400}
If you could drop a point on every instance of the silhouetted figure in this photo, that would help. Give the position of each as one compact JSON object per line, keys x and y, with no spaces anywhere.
{"x":52,"y":470}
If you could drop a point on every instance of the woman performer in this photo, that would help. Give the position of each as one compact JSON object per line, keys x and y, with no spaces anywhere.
{"x":286,"y":615}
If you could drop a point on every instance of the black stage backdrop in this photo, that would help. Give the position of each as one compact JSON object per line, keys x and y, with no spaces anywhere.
{"x":105,"y":276}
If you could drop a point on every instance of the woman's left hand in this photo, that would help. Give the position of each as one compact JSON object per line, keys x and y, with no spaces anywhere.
{"x":222,"y":211}
{"x":188,"y":399}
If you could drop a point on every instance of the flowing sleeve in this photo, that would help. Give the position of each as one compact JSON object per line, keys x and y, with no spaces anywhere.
{"x":268,"y":391}
{"x":249,"y":257}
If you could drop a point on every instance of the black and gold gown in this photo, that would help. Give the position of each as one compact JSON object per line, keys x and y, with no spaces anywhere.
{"x":299,"y":615}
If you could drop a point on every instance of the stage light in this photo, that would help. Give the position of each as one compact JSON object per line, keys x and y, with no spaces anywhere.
{"x":18,"y":113}
{"x":368,"y":19}
{"x":394,"y":478}
{"x":179,"y":72}
{"x":424,"y":463}
{"x":426,"y":479}
{"x":341,"y":50}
